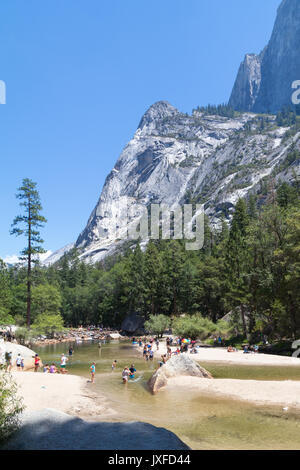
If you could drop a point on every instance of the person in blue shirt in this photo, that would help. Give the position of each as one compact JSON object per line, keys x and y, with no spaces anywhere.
{"x":93,"y":370}
{"x":132,"y":371}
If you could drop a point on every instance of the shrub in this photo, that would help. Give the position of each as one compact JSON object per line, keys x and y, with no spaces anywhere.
{"x":157,"y":324}
{"x":10,"y":406}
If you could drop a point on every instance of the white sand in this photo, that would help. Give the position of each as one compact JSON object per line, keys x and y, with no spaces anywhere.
{"x":285,"y":393}
{"x":221,"y":355}
{"x":67,"y":393}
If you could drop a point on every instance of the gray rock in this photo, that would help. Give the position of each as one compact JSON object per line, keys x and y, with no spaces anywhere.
{"x":176,"y":367}
{"x":247,"y":84}
{"x":49,"y":429}
{"x":26,"y":353}
{"x":132,"y":323}
{"x":263,"y":84}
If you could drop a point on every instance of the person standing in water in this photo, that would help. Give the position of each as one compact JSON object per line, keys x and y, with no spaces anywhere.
{"x":93,"y":370}
{"x":125,"y":375}
{"x":114,"y":365}
{"x":63,"y":361}
{"x":132,"y":370}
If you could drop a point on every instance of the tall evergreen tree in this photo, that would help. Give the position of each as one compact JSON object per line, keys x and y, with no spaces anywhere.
{"x":28,"y":224}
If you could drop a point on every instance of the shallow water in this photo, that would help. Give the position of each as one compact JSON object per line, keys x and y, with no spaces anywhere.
{"x":202,"y":422}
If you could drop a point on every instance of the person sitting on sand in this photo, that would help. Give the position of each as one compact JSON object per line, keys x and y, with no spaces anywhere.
{"x":46,"y":369}
{"x":52,"y":369}
{"x":246,"y":349}
{"x":230,"y":349}
{"x":93,"y":370}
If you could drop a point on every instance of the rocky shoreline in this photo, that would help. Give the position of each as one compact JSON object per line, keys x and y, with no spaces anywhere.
{"x":80,"y":335}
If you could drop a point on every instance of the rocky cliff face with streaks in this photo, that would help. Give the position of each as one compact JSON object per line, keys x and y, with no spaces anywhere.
{"x":264,"y":81}
{"x":175,"y":158}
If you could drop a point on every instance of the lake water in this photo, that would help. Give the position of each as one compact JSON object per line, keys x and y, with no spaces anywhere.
{"x":202,"y":422}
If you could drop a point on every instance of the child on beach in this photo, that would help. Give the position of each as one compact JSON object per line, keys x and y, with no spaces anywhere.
{"x":18,"y":362}
{"x":93,"y":370}
{"x":114,"y":365}
{"x":52,"y":369}
{"x":22,"y":364}
{"x":36,"y":362}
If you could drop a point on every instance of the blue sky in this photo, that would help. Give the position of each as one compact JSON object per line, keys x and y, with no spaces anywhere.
{"x":79,"y":76}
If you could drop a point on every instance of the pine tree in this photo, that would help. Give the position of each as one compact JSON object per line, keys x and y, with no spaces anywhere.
{"x":236,"y":259}
{"x":30,"y":222}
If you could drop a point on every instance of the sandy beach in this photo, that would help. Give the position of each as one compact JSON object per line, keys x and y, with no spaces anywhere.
{"x":283,"y":393}
{"x":67,"y":393}
{"x":221,"y":355}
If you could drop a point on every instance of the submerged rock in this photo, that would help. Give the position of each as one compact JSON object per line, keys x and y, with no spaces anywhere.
{"x":50,"y":429}
{"x":175,"y":367}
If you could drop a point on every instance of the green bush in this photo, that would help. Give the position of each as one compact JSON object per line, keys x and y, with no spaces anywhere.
{"x":10,"y":406}
{"x":157,"y":324}
{"x":197,"y":327}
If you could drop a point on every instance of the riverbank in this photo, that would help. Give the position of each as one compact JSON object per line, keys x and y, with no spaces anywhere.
{"x":70,"y":394}
{"x":79,"y":335}
{"x":221,"y":355}
{"x":282,"y":393}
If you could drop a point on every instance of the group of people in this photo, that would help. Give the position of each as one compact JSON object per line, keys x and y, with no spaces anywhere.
{"x":19,"y":362}
{"x":52,"y":369}
{"x":128,"y":373}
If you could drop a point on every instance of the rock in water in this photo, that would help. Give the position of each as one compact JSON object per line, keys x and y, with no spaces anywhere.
{"x":175,"y":367}
{"x":49,"y":429}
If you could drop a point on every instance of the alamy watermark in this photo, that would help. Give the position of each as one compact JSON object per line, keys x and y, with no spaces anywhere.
{"x":131,"y":220}
{"x":296,"y":94}
{"x":2,"y":92}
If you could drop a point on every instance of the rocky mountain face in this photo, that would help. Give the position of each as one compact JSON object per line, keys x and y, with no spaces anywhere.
{"x":264,"y":81}
{"x":175,"y":158}
{"x":247,"y":84}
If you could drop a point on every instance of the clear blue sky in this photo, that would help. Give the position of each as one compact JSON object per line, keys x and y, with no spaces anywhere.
{"x":79,"y":76}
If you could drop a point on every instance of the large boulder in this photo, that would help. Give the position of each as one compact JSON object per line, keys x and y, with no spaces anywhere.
{"x":49,"y":429}
{"x":15,"y":349}
{"x":115,"y":336}
{"x":132,"y":323}
{"x":175,"y":367}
